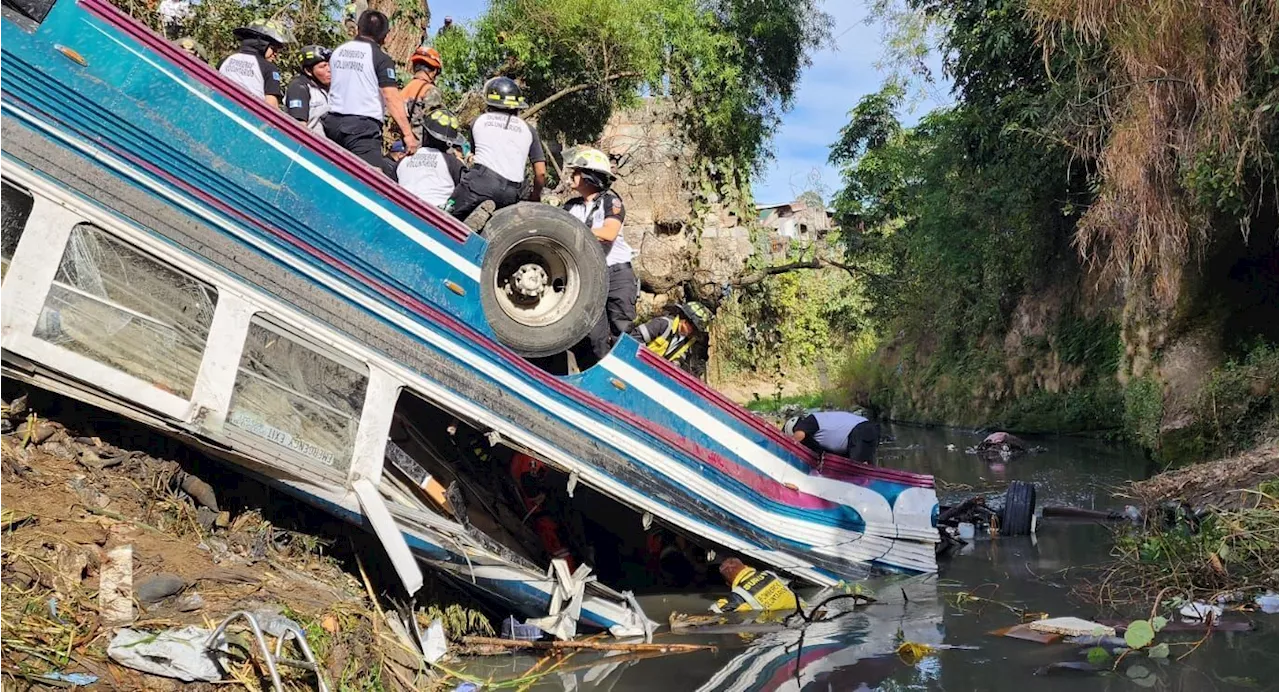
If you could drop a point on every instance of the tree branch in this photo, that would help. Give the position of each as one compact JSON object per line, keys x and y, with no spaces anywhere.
{"x":531,"y":111}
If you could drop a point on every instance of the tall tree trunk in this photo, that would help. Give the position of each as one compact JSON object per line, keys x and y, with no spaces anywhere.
{"x":408,"y":27}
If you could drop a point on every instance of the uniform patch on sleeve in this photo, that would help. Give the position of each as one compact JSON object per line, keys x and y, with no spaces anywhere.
{"x":391,"y":73}
{"x":275,"y":76}
{"x":296,"y":103}
{"x":616,"y":205}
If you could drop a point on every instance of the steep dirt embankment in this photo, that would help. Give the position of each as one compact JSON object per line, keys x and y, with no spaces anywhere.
{"x":74,"y":495}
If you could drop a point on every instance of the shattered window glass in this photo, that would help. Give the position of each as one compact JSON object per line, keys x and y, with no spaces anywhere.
{"x":121,"y":308}
{"x":13,"y":218}
{"x":298,"y":397}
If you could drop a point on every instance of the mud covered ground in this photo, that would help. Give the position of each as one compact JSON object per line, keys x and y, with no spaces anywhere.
{"x":81,"y":484}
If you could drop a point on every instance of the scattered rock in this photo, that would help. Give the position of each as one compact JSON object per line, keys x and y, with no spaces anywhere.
{"x":189,"y":602}
{"x":223,"y":520}
{"x":159,"y":587}
{"x":199,"y":491}
{"x":206,"y":518}
{"x":35,"y":431}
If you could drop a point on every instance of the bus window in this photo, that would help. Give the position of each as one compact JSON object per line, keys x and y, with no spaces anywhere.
{"x":16,"y":210}
{"x":298,"y":396}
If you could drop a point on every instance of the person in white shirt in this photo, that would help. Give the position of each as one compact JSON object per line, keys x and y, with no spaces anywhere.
{"x":601,"y":209}
{"x":252,"y":67}
{"x":504,"y":143}
{"x":362,"y":90}
{"x":433,"y":171}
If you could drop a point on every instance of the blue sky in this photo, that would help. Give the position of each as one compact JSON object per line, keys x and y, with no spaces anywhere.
{"x":841,"y":74}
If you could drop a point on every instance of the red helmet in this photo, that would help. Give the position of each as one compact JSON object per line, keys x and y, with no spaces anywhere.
{"x":424,"y":56}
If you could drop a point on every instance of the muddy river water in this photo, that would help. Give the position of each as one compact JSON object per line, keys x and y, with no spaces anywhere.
{"x":1037,"y":573}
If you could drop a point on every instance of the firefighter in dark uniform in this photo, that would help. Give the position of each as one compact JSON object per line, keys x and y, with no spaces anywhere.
{"x":252,"y":67}
{"x":434,"y":171}
{"x":670,"y":335}
{"x":363,"y":90}
{"x":306,"y":98}
{"x":601,"y":209}
{"x":753,"y":590}
{"x":503,"y":143}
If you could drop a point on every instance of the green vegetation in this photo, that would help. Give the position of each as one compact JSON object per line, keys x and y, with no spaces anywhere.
{"x":1221,"y":552}
{"x":731,"y":65}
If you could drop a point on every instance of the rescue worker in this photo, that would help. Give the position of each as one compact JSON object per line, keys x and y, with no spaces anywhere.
{"x":670,"y":335}
{"x":446,"y":27}
{"x":753,"y":590}
{"x":503,"y":143}
{"x":192,"y":47}
{"x":252,"y":67}
{"x":421,"y":95}
{"x":836,"y":432}
{"x":306,"y":97}
{"x":363,"y":90}
{"x":533,"y":485}
{"x":601,"y":209}
{"x":434,"y":171}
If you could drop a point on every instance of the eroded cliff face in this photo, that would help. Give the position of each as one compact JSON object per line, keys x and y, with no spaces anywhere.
{"x":689,"y":242}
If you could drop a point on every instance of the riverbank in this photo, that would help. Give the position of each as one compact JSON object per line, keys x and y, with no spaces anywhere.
{"x":1229,"y":483}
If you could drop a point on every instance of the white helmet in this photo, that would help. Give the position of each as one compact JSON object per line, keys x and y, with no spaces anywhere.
{"x":789,"y":428}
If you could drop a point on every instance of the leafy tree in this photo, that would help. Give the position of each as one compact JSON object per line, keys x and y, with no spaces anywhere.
{"x":731,"y":65}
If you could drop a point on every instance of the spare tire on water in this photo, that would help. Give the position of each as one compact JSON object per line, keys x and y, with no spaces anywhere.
{"x":1019,"y":509}
{"x":543,"y":282}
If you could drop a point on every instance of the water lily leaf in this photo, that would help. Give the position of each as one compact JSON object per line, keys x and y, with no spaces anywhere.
{"x":1098,"y":656}
{"x":1158,"y":622}
{"x":1160,"y":650}
{"x":1140,"y":676}
{"x":1139,"y":634}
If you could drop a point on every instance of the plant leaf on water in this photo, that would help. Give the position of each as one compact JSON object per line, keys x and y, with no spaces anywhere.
{"x":1160,"y":650}
{"x":1158,"y":622}
{"x":1098,"y":656}
{"x":1139,"y":634}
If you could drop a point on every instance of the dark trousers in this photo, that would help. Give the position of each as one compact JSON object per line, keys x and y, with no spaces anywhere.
{"x":477,"y":185}
{"x":361,"y":136}
{"x":863,"y":441}
{"x":619,"y":314}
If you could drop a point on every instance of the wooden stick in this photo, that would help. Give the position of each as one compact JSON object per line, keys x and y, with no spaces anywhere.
{"x":599,"y":646}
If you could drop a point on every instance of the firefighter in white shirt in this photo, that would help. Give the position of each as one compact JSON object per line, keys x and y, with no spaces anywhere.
{"x":252,"y":67}
{"x":503,"y":143}
{"x":601,"y":209}
{"x":362,"y":90}
{"x":434,"y":170}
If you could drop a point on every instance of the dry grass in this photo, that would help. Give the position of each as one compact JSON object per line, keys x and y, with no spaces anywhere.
{"x":1187,"y":105}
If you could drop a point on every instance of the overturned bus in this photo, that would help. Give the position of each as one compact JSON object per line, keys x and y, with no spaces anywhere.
{"x":179,"y":253}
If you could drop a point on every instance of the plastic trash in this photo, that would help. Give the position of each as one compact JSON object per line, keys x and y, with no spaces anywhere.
{"x":965,"y":530}
{"x":274,"y":624}
{"x":1073,"y":627}
{"x":1269,"y":602}
{"x":177,"y":653}
{"x":1201,"y":611}
{"x":79,"y":679}
{"x":467,"y":687}
{"x":435,"y":646}
{"x":514,"y":629}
